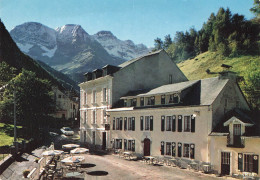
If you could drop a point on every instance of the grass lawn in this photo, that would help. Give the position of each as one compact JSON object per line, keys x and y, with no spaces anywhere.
{"x":6,"y":135}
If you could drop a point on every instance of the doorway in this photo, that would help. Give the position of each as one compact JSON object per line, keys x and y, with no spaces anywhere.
{"x":225,"y":163}
{"x":104,"y":140}
{"x":147,"y":147}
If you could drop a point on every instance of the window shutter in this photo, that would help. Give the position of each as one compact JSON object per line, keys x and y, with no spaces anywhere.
{"x":173,"y":149}
{"x":240,"y":162}
{"x":133,"y":123}
{"x":192,"y":124}
{"x":102,"y":116}
{"x":133,"y":145}
{"x":125,"y":144}
{"x":179,"y":123}
{"x":95,"y":120}
{"x":151,"y":123}
{"x":121,"y":123}
{"x":92,"y":117}
{"x":141,"y":123}
{"x":125,"y":124}
{"x":192,"y":151}
{"x":162,"y":148}
{"x":179,"y":149}
{"x":114,"y":123}
{"x":255,"y":163}
{"x":162,"y":123}
{"x":120,"y":144}
{"x":173,"y":123}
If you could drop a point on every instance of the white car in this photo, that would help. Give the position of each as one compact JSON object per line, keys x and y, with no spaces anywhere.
{"x":67,"y":131}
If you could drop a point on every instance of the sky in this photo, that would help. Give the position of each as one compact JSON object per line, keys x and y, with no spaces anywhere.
{"x":141,"y":21}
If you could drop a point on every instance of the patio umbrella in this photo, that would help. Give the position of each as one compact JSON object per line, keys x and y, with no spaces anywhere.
{"x":52,"y":153}
{"x":73,"y":159}
{"x":79,"y":150}
{"x":68,"y":146}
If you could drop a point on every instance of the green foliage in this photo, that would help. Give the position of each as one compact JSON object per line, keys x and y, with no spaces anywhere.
{"x":33,"y":97}
{"x":256,"y":8}
{"x":158,"y":44}
{"x":208,"y":64}
{"x":228,"y":35}
{"x":6,"y":73}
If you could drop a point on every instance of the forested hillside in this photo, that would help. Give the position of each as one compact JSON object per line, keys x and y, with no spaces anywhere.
{"x":225,"y":38}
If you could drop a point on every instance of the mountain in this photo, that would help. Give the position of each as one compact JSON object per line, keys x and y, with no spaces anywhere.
{"x":11,"y":54}
{"x":123,"y":49}
{"x":71,"y":50}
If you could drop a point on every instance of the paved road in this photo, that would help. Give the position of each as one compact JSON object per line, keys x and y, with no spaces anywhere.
{"x":123,"y":169}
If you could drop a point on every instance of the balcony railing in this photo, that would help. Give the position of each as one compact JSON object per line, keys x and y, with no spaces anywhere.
{"x":235,"y":141}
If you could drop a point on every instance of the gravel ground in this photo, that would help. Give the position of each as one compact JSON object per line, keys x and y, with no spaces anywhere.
{"x":124,"y":169}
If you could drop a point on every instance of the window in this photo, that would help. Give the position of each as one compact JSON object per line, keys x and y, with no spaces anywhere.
{"x":170,"y":79}
{"x":187,"y":124}
{"x":94,"y":96}
{"x":173,"y":123}
{"x":85,"y":117}
{"x":125,"y":144}
{"x":131,"y":145}
{"x":117,"y":123}
{"x":250,"y":162}
{"x":168,"y":148}
{"x":125,"y":123}
{"x":131,"y":123}
{"x":150,"y":100}
{"x":179,"y":149}
{"x":141,"y":101}
{"x":133,"y":102}
{"x":120,"y":123}
{"x":162,"y":99}
{"x":186,"y":150}
{"x":179,"y":123}
{"x":125,"y":103}
{"x":118,"y":144}
{"x":147,"y":123}
{"x":84,"y":136}
{"x":141,"y":123}
{"x":168,"y":123}
{"x":173,"y":149}
{"x":174,"y":98}
{"x":162,"y":123}
{"x":114,"y":123}
{"x":237,"y":129}
{"x":162,"y":148}
{"x":85,"y":98}
{"x":104,"y":94}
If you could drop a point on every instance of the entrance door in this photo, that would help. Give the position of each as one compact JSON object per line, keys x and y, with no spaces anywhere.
{"x":225,"y":163}
{"x":146,"y":147}
{"x":104,"y":135}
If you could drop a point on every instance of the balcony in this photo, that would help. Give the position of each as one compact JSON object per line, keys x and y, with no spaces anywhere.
{"x":235,"y":141}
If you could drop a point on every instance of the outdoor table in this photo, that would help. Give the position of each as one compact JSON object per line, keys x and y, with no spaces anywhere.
{"x":149,"y":158}
{"x":127,"y":154}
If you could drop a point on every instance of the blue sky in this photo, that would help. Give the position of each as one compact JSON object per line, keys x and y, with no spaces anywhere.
{"x":139,"y":20}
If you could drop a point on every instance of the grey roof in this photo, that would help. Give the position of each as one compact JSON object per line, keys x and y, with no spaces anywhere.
{"x":208,"y":89}
{"x":169,"y":88}
{"x":141,"y":57}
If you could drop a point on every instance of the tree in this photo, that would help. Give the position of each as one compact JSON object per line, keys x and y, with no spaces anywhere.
{"x":33,"y":100}
{"x":256,"y":8}
{"x":6,"y":73}
{"x":167,"y":41}
{"x":158,"y":44}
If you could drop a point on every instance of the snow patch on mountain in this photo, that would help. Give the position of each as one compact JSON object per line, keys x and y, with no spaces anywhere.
{"x":24,"y":47}
{"x":123,"y":49}
{"x":48,"y":52}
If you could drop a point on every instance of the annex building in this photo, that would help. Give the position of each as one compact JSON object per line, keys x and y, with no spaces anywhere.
{"x":148,"y":106}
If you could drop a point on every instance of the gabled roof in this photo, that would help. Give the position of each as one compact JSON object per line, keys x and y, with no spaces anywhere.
{"x":207,"y":90}
{"x":237,"y":114}
{"x":139,"y":58}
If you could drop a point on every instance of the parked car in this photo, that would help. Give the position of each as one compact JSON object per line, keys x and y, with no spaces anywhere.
{"x":67,"y":131}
